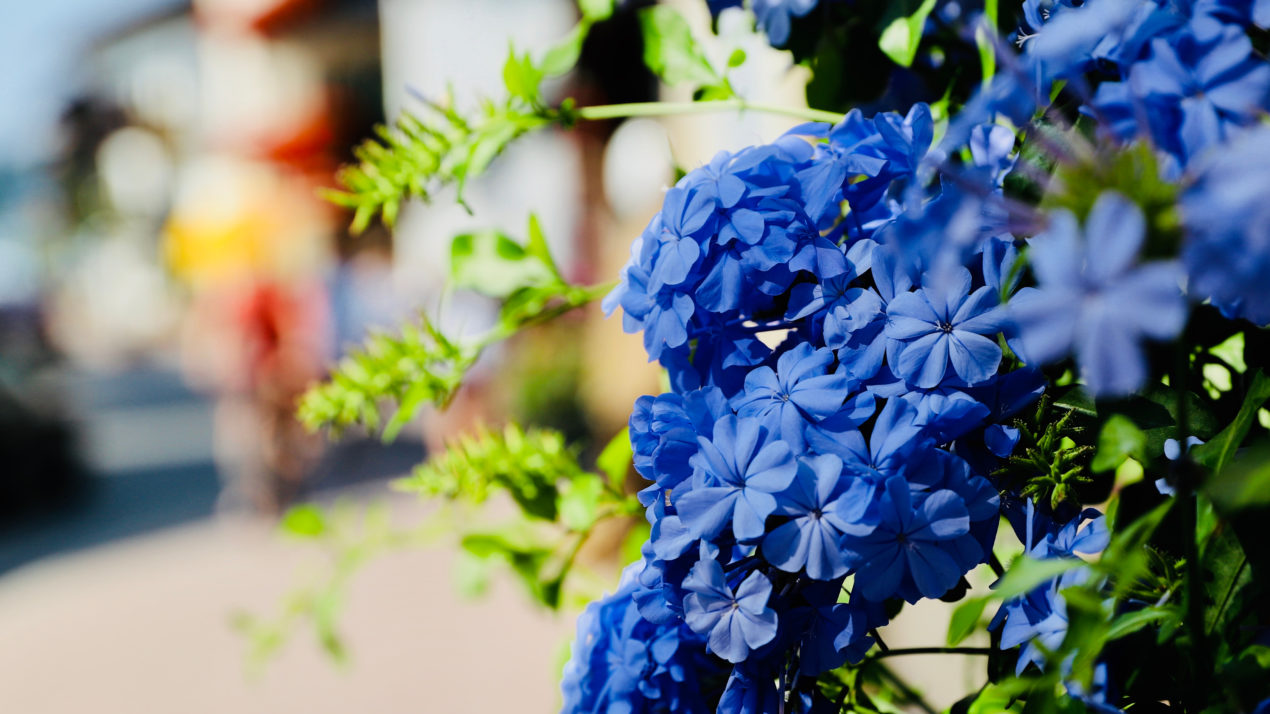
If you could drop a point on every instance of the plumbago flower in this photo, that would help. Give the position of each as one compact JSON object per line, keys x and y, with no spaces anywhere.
{"x":783,"y":463}
{"x":623,"y":662}
{"x":1093,"y":298}
{"x":734,"y":621}
{"x":1227,"y":216}
{"x":1037,"y":622}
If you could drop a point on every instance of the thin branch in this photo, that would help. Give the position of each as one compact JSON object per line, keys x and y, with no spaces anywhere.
{"x":657,"y":109}
{"x":933,"y":650}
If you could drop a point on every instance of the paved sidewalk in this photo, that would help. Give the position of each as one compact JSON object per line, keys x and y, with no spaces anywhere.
{"x":142,"y":626}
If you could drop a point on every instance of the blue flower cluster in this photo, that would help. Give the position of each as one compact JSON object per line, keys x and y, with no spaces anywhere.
{"x":1093,"y":299}
{"x":1038,"y":620}
{"x":831,"y":319}
{"x":1183,"y":75}
{"x":1226,"y":211}
{"x":849,"y":332}
{"x":622,"y":662}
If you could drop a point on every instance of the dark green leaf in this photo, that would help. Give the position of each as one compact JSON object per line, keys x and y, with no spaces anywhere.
{"x":1074,"y":397}
{"x":1119,"y":440}
{"x":670,"y":50}
{"x":1243,"y":483}
{"x":1131,"y":622}
{"x":1226,"y":571}
{"x":1217,"y":452}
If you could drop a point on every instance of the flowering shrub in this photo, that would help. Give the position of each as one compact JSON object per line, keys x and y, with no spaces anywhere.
{"x":1002,"y":304}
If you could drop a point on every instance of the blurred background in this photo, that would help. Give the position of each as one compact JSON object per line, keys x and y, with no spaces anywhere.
{"x":170,"y":283}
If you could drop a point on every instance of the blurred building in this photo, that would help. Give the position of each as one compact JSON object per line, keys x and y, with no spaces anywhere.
{"x":191,"y":236}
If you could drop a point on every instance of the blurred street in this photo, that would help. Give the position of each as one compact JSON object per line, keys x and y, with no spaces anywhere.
{"x":146,"y":443}
{"x":128,"y":590}
{"x":142,"y":626}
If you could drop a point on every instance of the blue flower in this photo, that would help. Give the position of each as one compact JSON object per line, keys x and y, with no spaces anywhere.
{"x":734,"y":622}
{"x":893,"y":440}
{"x":1196,"y":85}
{"x":751,"y":690}
{"x":622,"y":662}
{"x":1226,"y":213}
{"x":1172,"y":452}
{"x":946,"y":324}
{"x":855,"y":329}
{"x":662,"y":315}
{"x":1038,"y":620}
{"x":774,"y":17}
{"x":835,"y":632}
{"x":684,"y":215}
{"x":851,"y":152}
{"x":810,"y":538}
{"x":736,"y":474}
{"x":908,"y":543}
{"x":800,"y":390}
{"x":1092,"y":300}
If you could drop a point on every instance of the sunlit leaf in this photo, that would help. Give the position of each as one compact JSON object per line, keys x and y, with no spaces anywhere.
{"x":670,"y":50}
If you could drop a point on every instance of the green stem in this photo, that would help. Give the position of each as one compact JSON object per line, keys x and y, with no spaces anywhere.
{"x":934,"y":650}
{"x":1186,"y":480}
{"x":658,"y":109}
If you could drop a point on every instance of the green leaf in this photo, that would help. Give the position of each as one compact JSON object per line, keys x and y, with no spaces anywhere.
{"x":407,"y":408}
{"x":615,"y":459}
{"x":634,"y":541}
{"x":670,"y":50}
{"x":1216,"y":453}
{"x":579,"y":502}
{"x":1231,"y":351}
{"x":984,"y":34}
{"x":596,"y":10}
{"x":521,"y":77}
{"x":900,"y":39}
{"x":1226,"y":572}
{"x":536,"y":245}
{"x":999,"y":698}
{"x":472,"y":574}
{"x":563,"y":56}
{"x":493,"y":264}
{"x":1026,"y":574}
{"x":525,"y":557}
{"x":1073,"y":397}
{"x":965,"y":619}
{"x":421,"y":360}
{"x":304,"y":521}
{"x":1119,"y":440}
{"x":737,"y":58}
{"x":1242,"y":484}
{"x":1131,"y":622}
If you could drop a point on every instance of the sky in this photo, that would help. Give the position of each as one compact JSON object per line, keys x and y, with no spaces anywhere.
{"x":41,"y":42}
